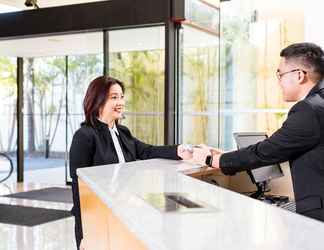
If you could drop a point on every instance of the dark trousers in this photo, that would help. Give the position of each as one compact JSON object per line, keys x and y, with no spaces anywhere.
{"x":78,"y":233}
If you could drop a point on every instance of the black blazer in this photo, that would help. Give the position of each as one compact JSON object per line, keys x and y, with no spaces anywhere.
{"x":300,"y":141}
{"x":93,"y":146}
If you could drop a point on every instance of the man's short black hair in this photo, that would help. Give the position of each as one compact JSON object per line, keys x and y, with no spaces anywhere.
{"x":310,"y":55}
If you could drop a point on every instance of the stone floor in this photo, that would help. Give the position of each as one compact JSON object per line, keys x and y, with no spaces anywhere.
{"x":58,"y":235}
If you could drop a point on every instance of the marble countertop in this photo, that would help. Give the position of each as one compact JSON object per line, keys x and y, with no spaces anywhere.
{"x":231,"y":220}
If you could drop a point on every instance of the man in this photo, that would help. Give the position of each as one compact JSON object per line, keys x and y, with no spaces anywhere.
{"x":300,"y":140}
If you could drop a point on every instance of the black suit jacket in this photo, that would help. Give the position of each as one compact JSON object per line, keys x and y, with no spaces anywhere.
{"x":300,"y":141}
{"x":93,"y":146}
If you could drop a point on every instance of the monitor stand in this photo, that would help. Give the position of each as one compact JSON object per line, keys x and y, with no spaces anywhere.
{"x":260,"y":194}
{"x":262,"y":188}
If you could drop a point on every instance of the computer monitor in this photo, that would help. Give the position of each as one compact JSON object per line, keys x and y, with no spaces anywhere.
{"x":260,"y":176}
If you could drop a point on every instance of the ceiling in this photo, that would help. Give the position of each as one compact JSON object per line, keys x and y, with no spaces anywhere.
{"x":148,"y":38}
{"x":44,"y":3}
{"x":92,"y":43}
{"x":50,"y":3}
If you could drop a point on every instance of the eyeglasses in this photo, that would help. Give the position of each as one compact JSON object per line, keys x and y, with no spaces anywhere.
{"x":280,"y":75}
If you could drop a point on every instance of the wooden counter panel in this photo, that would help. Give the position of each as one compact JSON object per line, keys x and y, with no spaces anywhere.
{"x":102,"y":230}
{"x":94,"y":214}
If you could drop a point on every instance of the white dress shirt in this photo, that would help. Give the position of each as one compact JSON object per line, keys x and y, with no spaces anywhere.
{"x":114,"y":132}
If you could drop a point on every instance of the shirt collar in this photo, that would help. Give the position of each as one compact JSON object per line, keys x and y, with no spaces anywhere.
{"x":113,"y":129}
{"x":304,"y":97}
{"x":317,"y":88}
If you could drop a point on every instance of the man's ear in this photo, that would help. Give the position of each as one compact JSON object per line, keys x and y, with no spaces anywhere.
{"x":302,"y":77}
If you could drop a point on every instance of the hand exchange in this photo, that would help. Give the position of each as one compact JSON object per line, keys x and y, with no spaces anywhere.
{"x":200,"y":154}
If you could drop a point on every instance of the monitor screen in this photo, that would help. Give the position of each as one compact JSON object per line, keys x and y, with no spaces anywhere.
{"x":263,"y":173}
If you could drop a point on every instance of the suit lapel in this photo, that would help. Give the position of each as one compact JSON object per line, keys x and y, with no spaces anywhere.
{"x":127,"y":144}
{"x":105,"y":134}
{"x":111,"y":146}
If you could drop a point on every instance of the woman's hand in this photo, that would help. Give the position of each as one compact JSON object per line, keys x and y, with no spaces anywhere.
{"x":82,"y":245}
{"x":184,"y":153}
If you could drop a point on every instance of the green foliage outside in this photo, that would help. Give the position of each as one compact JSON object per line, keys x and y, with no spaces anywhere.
{"x":200,"y":73}
{"x":143,"y":75}
{"x":8,"y":88}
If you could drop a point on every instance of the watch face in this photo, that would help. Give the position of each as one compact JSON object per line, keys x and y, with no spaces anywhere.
{"x":209,"y":160}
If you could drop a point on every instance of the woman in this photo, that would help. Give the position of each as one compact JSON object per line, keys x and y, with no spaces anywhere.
{"x":101,"y":140}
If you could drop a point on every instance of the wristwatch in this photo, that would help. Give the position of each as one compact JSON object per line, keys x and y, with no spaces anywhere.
{"x":209,"y":160}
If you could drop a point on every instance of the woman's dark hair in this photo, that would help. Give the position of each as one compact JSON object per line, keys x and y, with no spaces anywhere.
{"x":308,"y":54}
{"x":96,"y":96}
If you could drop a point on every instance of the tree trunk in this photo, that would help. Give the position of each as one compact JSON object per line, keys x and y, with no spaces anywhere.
{"x":30,"y":106}
{"x":12,"y":130}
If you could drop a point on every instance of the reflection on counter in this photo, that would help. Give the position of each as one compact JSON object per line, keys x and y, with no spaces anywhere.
{"x":175,"y":202}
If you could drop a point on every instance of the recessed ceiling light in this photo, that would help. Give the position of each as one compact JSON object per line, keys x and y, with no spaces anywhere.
{"x":55,"y":40}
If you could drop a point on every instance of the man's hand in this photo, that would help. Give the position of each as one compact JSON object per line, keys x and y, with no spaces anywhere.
{"x":200,"y":153}
{"x":216,"y":155}
{"x":216,"y":151}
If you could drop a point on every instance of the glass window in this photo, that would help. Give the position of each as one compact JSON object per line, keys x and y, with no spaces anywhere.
{"x":57,"y":71}
{"x":198,"y":90}
{"x":8,"y":107}
{"x":251,"y":41}
{"x":139,"y":63}
{"x":241,"y":93}
{"x":204,"y":14}
{"x":44,"y":111}
{"x":82,"y":69}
